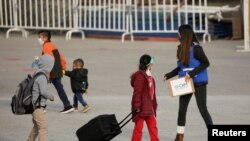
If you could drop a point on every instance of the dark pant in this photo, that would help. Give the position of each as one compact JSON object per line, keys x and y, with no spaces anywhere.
{"x":201,"y":100}
{"x":61,"y":93}
{"x":78,"y":97}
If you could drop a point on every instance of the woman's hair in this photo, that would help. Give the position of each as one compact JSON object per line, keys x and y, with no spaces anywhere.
{"x":144,"y":62}
{"x":79,"y":63}
{"x":187,"y":37}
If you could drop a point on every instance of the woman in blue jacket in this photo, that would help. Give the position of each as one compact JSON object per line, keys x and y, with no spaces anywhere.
{"x":192,"y":64}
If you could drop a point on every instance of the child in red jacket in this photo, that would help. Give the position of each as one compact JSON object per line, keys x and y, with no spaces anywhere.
{"x":144,"y":102}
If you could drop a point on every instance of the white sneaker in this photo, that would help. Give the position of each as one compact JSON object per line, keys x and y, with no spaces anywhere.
{"x":67,"y":109}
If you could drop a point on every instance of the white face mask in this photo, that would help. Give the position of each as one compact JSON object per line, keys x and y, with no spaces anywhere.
{"x":148,"y":72}
{"x":40,"y":41}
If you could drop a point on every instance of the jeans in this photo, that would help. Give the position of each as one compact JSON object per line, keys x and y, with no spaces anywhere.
{"x":78,"y":97}
{"x":61,"y":93}
{"x":201,"y":100}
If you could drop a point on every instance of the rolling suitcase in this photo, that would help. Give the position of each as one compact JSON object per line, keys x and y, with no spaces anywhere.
{"x":102,"y":128}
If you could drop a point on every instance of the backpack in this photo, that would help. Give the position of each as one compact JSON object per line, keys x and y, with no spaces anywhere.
{"x":21,"y":102}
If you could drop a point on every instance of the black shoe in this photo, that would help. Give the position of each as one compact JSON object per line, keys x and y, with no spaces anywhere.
{"x":67,"y":109}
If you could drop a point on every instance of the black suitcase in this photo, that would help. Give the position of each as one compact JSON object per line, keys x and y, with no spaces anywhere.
{"x":101,"y":128}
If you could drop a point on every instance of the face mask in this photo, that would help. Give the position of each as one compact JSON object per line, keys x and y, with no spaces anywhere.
{"x":148,"y":72}
{"x":40,"y":41}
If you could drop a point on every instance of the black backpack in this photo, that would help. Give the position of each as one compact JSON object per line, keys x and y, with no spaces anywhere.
{"x":21,"y":102}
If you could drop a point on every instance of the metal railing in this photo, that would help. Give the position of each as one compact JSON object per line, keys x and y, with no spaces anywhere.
{"x":125,"y":16}
{"x":162,"y":16}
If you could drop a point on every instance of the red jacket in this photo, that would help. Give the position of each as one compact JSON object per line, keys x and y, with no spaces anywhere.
{"x":141,"y":99}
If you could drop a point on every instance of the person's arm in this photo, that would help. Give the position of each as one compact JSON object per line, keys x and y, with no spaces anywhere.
{"x":82,"y":76}
{"x":44,"y":88}
{"x":69,"y":73}
{"x":173,"y":73}
{"x":63,"y":62}
{"x":200,"y":55}
{"x":86,"y":79}
{"x":49,"y":48}
{"x":137,"y":93}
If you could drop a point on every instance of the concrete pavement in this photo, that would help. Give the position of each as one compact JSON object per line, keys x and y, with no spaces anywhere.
{"x":110,"y":64}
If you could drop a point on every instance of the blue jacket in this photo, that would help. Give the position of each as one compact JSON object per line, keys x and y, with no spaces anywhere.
{"x":201,"y":77}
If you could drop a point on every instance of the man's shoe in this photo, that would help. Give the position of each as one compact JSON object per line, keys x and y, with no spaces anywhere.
{"x":67,"y":109}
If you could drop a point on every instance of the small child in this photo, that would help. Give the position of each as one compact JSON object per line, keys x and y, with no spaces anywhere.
{"x":79,"y":83}
{"x":144,"y":103}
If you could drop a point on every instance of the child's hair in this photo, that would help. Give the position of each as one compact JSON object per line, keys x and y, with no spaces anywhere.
{"x":45,"y":33}
{"x":144,"y":62}
{"x":79,"y":63}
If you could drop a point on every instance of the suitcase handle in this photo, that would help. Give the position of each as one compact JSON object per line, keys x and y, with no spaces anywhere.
{"x":122,"y":124}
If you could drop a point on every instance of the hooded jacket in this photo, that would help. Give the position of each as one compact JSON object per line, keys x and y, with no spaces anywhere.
{"x":141,"y":99}
{"x":40,"y":86}
{"x":77,"y":77}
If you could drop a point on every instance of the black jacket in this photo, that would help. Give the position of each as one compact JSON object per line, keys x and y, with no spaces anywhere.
{"x":77,"y":77}
{"x":200,"y":55}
